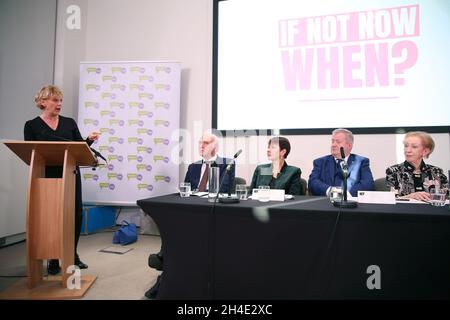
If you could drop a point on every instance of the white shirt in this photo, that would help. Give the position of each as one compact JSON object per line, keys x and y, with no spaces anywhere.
{"x":346,"y":159}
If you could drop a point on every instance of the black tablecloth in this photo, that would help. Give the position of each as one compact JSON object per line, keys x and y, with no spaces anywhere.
{"x":288,"y":250}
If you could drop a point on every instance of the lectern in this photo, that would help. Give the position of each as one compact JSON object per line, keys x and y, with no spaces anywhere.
{"x":51,"y":204}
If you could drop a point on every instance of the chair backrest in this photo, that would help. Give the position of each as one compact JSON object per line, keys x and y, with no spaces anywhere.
{"x":381,"y":185}
{"x":304,"y":186}
{"x":237,"y":180}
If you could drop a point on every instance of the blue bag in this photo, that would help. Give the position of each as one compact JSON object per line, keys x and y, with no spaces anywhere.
{"x":126,"y":234}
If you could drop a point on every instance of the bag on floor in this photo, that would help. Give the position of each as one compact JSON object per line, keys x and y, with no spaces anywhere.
{"x":126,"y":234}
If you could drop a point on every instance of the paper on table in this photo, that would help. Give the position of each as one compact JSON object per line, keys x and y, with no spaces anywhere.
{"x":405,"y":200}
{"x":199,"y":194}
{"x":376,"y":197}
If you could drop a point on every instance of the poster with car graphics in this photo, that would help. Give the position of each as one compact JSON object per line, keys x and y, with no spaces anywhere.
{"x":136,"y":107}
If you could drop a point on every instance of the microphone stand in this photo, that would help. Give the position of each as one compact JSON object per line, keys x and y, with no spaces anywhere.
{"x":344,"y":203}
{"x":212,"y":229}
{"x":329,"y":254}
{"x":211,"y":243}
{"x":95,"y":152}
{"x":228,"y":199}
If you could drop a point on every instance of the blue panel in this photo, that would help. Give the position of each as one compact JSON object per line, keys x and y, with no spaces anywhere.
{"x":96,"y":218}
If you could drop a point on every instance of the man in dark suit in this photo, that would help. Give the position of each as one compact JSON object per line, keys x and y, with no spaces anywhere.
{"x":197,"y":176}
{"x":327,"y":171}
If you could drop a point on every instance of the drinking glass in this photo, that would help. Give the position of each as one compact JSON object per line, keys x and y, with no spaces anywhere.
{"x":437,"y":197}
{"x":185,"y":189}
{"x":241,"y":191}
{"x":335,"y":194}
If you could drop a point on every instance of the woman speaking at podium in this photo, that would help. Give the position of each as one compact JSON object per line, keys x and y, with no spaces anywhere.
{"x":51,"y":126}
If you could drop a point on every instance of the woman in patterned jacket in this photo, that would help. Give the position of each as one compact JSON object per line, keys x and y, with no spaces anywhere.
{"x":414,"y":178}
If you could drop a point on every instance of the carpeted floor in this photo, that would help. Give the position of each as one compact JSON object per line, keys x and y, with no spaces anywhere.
{"x":119,"y":276}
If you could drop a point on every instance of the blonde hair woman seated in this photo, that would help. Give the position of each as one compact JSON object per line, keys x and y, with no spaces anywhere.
{"x":414,"y":178}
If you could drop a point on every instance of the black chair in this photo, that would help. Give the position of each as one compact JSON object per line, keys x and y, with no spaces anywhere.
{"x":304,"y":186}
{"x":381,"y":185}
{"x":237,"y":180}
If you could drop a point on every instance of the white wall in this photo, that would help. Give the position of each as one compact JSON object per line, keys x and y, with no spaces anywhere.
{"x":69,"y":51}
{"x":27,"y":34}
{"x":182,"y":30}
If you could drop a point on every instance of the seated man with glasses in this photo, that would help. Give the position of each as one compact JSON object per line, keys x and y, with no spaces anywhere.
{"x":197,"y":172}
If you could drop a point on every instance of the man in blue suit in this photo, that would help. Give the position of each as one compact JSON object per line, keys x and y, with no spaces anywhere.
{"x":327,"y":171}
{"x":195,"y":174}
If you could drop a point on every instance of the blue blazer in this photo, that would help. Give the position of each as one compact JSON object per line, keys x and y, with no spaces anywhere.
{"x":325,"y":173}
{"x":195,"y":169}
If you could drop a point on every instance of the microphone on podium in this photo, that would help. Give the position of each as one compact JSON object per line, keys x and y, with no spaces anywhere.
{"x":49,"y":134}
{"x":98,"y":154}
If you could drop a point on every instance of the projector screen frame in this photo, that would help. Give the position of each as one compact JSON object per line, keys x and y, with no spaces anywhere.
{"x":291,"y":131}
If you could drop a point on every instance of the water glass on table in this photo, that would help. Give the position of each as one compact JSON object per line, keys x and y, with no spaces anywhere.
{"x":437,"y":197}
{"x":241,"y":191}
{"x":336,"y":194}
{"x":185,"y":189}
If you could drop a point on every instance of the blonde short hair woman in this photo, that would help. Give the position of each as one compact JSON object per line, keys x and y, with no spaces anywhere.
{"x":414,"y":178}
{"x":51,"y":126}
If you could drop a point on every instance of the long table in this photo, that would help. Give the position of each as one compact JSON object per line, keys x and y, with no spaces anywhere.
{"x":301,"y":249}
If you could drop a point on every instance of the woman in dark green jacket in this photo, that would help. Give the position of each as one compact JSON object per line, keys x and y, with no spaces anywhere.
{"x":278,"y":174}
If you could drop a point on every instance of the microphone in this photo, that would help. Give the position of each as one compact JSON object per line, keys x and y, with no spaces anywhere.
{"x":343,"y":163}
{"x":47,"y":133}
{"x":342,"y":153}
{"x":234,"y":158}
{"x":98,"y":154}
{"x":344,"y":203}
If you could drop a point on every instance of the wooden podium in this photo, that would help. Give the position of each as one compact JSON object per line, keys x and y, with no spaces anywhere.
{"x":50,"y":216}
